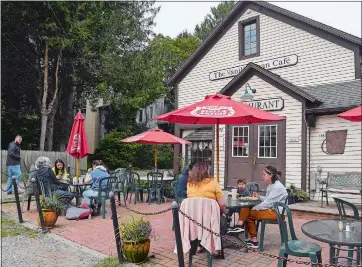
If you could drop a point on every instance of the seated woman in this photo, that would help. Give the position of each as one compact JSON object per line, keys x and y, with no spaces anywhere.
{"x":45,"y":173}
{"x":59,"y":170}
{"x":276,"y":192}
{"x":94,"y":174}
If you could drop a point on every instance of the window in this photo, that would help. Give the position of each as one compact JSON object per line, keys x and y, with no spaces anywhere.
{"x":240,"y":141}
{"x":140,"y":116}
{"x":249,"y":38}
{"x":267,"y":141}
{"x":200,"y":151}
{"x":151,"y":113}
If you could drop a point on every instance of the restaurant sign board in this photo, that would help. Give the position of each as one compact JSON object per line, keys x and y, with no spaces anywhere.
{"x":269,"y":64}
{"x":272,"y":104}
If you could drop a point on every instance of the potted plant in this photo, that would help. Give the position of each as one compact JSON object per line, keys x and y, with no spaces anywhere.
{"x":296,"y":195}
{"x":51,"y":208}
{"x":135,"y":234}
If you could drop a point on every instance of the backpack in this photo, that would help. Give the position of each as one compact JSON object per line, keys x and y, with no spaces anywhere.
{"x":78,"y":213}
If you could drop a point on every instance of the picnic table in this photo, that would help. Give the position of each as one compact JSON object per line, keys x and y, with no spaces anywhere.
{"x":327,"y":231}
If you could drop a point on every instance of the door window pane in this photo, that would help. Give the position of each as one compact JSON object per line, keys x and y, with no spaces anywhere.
{"x":267,"y":141}
{"x":240,"y":141}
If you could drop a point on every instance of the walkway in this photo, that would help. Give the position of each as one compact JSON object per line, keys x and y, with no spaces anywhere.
{"x":97,"y":234}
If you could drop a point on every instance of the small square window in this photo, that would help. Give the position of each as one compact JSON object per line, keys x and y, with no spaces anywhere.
{"x":249,"y":37}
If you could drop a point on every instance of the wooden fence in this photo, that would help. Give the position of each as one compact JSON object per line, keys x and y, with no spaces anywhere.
{"x":29,"y":157}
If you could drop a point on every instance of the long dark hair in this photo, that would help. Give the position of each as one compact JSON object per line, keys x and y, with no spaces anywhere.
{"x":273,"y":172}
{"x":56,"y":168}
{"x":199,"y":172}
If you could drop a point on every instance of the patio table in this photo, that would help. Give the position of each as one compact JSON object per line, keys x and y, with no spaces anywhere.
{"x":78,"y":190}
{"x":327,"y":231}
{"x":236,"y":206}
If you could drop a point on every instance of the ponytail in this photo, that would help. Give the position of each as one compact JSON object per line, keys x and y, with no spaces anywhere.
{"x":276,"y":175}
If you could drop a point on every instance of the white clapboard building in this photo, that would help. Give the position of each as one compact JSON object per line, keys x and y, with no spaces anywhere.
{"x":287,"y":64}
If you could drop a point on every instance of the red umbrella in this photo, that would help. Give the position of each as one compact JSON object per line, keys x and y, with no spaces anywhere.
{"x":155,"y":136}
{"x":78,"y":143}
{"x":219,"y":109}
{"x":352,"y":115}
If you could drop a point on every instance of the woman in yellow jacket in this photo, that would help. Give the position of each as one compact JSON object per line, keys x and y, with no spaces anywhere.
{"x":59,"y":170}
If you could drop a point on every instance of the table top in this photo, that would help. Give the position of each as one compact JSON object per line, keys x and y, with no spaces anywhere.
{"x":168,"y":178}
{"x":327,"y":231}
{"x":231,"y":203}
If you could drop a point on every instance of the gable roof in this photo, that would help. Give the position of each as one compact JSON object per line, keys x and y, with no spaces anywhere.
{"x":270,"y":77}
{"x":344,"y":94}
{"x":315,"y":27}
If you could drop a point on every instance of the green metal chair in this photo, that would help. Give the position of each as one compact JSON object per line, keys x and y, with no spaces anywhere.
{"x":334,"y":250}
{"x":174,"y":189}
{"x":156,"y":187}
{"x":294,"y":247}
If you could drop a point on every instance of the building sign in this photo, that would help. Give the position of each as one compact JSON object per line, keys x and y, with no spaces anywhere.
{"x":293,"y":139}
{"x":267,"y":104}
{"x":269,"y":64}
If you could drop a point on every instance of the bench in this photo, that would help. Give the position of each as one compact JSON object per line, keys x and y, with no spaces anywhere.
{"x":342,"y":183}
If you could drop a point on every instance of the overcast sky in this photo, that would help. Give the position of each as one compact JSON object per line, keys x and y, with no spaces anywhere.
{"x":176,"y":16}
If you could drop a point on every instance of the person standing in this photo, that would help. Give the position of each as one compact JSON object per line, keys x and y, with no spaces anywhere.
{"x":13,"y":162}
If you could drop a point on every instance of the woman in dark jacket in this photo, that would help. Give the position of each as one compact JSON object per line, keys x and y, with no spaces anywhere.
{"x":47,"y":176}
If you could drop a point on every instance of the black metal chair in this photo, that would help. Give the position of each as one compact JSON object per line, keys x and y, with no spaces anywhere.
{"x":155,"y":188}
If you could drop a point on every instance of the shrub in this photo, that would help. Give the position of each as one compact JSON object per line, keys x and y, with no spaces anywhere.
{"x":135,"y":229}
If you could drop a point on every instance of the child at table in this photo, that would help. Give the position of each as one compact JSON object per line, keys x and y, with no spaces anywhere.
{"x":242,"y":190}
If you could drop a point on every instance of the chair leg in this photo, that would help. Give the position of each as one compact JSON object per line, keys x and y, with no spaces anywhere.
{"x":141,"y":195}
{"x":29,"y":201}
{"x":262,"y":231}
{"x":135,"y":197}
{"x":314,"y":260}
{"x":209,"y":259}
{"x":350,"y":256}
{"x":332,"y":252}
{"x":119,"y":198}
{"x":282,"y":263}
{"x":327,"y":198}
{"x":319,"y":257}
{"x":222,"y":256}
{"x":103,"y":208}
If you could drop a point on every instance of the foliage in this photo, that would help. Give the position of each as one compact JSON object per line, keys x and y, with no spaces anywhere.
{"x":11,"y":228}
{"x":217,"y":14}
{"x":298,"y":193}
{"x":52,"y":203}
{"x":135,"y":229}
{"x":165,"y":157}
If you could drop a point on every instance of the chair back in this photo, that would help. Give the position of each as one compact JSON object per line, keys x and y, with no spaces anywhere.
{"x":44,"y":186}
{"x":132,"y":179}
{"x":341,"y":208}
{"x":121,"y":174}
{"x":253,"y":187}
{"x":106,"y":185}
{"x":154,"y":179}
{"x":281,"y":209}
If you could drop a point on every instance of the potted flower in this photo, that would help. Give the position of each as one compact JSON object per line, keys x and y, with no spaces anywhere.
{"x":135,"y":234}
{"x":51,"y":208}
{"x":296,"y":195}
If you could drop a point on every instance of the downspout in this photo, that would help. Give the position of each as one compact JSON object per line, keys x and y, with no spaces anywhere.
{"x":309,"y":130}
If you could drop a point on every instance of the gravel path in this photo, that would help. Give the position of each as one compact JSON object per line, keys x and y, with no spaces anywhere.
{"x":45,"y":250}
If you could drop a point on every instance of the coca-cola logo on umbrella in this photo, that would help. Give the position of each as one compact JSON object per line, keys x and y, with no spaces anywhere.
{"x":213,"y":111}
{"x":76,"y":142}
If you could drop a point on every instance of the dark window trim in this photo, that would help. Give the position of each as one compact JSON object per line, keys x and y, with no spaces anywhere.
{"x":241,"y":37}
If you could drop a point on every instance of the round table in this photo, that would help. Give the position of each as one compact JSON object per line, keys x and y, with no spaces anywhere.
{"x":78,"y":190}
{"x":327,"y":231}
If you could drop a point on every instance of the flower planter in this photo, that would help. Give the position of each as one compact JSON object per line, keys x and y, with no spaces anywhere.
{"x":50,"y":218}
{"x":136,"y":252}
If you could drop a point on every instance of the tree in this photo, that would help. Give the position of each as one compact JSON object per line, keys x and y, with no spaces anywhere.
{"x":217,"y":14}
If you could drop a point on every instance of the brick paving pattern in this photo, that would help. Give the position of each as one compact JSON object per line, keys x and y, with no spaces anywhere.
{"x":97,"y":234}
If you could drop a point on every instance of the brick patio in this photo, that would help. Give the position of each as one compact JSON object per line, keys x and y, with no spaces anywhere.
{"x":97,"y":234}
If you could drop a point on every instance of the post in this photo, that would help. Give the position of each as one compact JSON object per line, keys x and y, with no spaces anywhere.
{"x":16,"y":192}
{"x":176,"y":223}
{"x":217,"y":151}
{"x":37,"y":200}
{"x":156,"y":154}
{"x":116,"y":227}
{"x":77,"y":168}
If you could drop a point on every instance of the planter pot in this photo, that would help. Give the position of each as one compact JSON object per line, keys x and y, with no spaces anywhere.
{"x":50,"y":218}
{"x":291,"y":200}
{"x":136,"y":252}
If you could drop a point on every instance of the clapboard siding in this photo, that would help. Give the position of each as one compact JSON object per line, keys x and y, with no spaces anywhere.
{"x":293,"y":112}
{"x":350,"y":161}
{"x":319,"y":61}
{"x":29,"y":157}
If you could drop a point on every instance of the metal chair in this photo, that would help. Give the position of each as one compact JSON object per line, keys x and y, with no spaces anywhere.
{"x":133,"y":186}
{"x":253,"y":187}
{"x":294,"y":247}
{"x":155,"y":188}
{"x":121,"y":174}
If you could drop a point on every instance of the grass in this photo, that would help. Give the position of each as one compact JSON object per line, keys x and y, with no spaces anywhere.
{"x":113,"y":262}
{"x":11,"y":228}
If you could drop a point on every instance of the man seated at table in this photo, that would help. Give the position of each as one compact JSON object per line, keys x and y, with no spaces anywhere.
{"x":182,"y":183}
{"x":276,"y":192}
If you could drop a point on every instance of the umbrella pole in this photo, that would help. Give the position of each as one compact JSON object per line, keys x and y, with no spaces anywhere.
{"x":156,"y":152}
{"x":217,"y":151}
{"x":77,"y":167}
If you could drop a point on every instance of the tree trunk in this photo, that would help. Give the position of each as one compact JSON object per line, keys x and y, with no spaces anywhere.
{"x":50,"y":132}
{"x":44,"y":111}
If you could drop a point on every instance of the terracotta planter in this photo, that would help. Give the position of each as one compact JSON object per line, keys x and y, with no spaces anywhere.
{"x":50,"y":218}
{"x":136,"y":252}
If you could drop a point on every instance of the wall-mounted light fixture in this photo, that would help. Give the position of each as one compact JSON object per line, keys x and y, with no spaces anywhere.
{"x":247,"y":95}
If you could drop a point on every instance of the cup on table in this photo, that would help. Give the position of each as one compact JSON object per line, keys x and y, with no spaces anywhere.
{"x":234,"y":194}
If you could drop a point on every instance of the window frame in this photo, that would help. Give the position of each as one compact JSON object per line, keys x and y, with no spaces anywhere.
{"x":232,"y":148}
{"x":151,"y":113}
{"x":276,"y":142}
{"x":140,"y":116}
{"x":241,"y":36}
